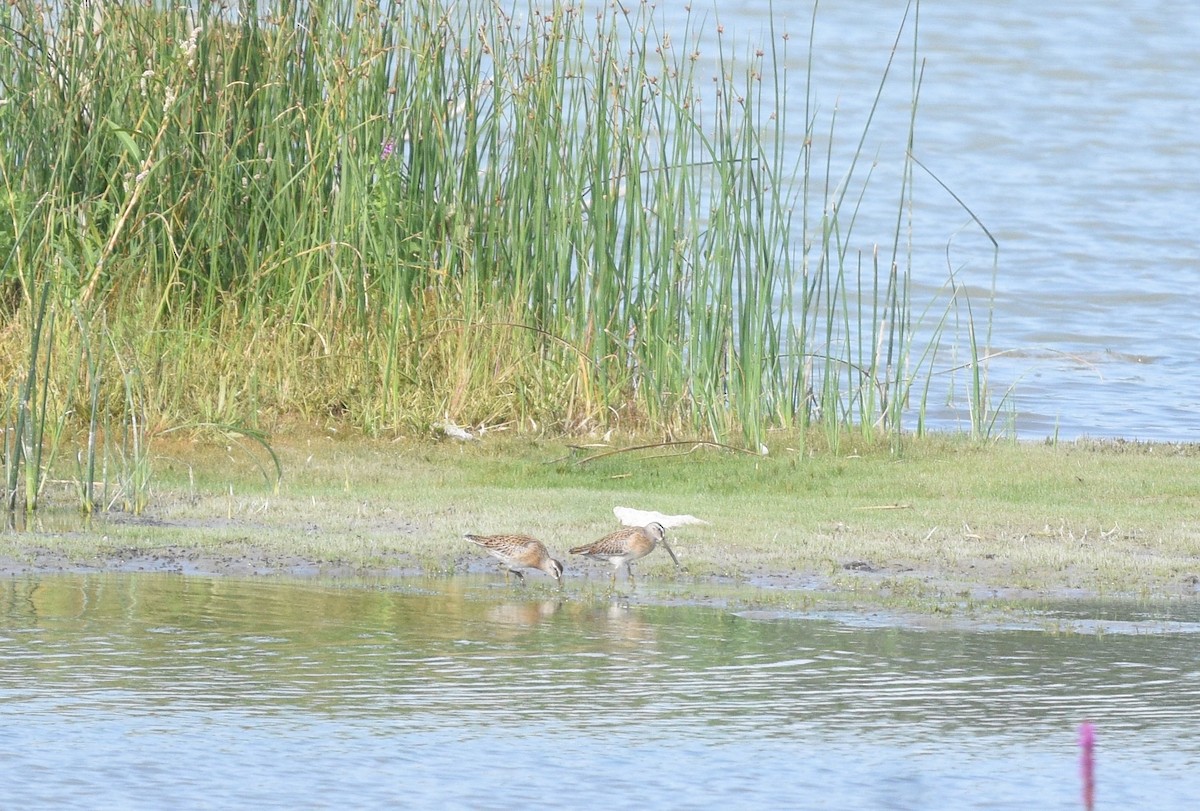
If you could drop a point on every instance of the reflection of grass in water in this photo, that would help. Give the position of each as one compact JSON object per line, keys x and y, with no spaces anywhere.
{"x":962,"y":522}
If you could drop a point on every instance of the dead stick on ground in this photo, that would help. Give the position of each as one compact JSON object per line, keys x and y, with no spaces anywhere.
{"x":693,"y":442}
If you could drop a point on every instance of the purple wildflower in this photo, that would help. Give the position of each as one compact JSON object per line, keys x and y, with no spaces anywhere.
{"x":388,"y":147}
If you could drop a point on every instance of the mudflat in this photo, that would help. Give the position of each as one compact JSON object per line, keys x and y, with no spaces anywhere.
{"x":937,"y":520}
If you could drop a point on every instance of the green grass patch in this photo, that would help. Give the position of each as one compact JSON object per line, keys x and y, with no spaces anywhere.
{"x":943,"y":519}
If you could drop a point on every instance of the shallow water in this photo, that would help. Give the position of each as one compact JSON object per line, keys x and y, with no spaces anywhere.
{"x":141,"y":691}
{"x":1072,"y":136}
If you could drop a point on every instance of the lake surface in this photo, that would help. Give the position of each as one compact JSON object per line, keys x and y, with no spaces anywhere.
{"x":153,"y":691}
{"x":1074,"y":136}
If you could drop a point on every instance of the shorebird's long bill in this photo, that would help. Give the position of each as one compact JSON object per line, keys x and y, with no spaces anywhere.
{"x":670,"y":551}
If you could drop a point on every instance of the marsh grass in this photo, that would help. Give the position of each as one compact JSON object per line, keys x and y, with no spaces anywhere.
{"x":25,"y":430}
{"x":379,"y":216}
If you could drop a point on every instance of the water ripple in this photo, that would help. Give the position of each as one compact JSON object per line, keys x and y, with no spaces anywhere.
{"x":161,"y":686}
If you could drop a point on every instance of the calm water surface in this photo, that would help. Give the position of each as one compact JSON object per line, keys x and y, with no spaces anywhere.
{"x":1074,"y":135}
{"x":146,"y":691}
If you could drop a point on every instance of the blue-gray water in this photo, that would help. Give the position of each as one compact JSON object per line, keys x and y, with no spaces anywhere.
{"x":1073,"y":133}
{"x":154,"y":691}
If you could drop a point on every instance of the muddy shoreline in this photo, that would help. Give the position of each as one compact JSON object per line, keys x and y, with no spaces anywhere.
{"x":866,"y":582}
{"x":942,"y":525}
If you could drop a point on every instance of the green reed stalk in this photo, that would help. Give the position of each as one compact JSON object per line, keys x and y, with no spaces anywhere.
{"x":134,"y":451}
{"x":25,"y":450}
{"x":92,"y":368}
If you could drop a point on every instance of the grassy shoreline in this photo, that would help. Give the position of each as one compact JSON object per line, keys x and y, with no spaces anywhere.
{"x":941,"y":521}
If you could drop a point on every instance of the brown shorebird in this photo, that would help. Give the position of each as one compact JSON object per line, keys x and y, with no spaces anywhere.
{"x":623,"y":547}
{"x":518,"y":552}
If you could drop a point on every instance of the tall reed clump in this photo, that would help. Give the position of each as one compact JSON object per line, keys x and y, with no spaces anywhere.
{"x":391,"y":214}
{"x":25,"y":428}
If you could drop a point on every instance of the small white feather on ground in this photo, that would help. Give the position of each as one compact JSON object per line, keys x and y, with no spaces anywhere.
{"x":640,"y":518}
{"x":453,"y":431}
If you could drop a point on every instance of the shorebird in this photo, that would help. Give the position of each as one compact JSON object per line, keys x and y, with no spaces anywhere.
{"x":518,"y":552}
{"x":623,"y":547}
